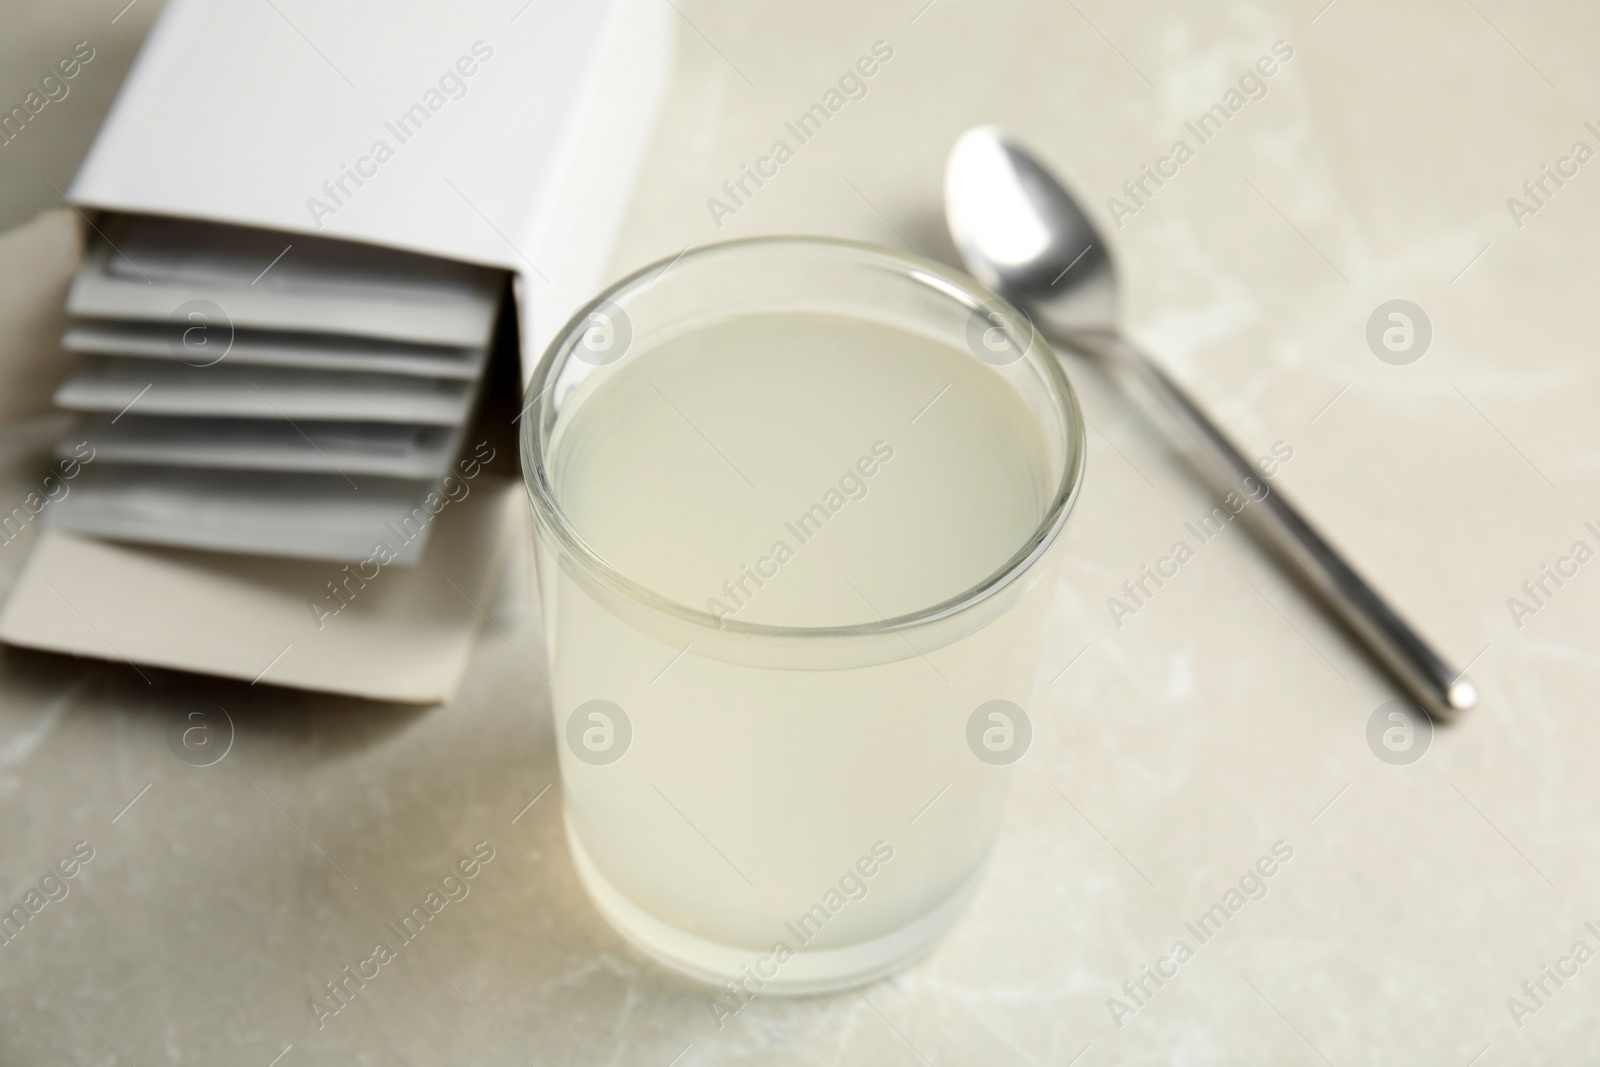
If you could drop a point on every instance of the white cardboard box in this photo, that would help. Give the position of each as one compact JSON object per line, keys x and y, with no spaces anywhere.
{"x":506,"y":135}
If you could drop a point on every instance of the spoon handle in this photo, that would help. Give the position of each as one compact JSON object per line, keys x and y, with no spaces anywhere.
{"x":1440,"y":689}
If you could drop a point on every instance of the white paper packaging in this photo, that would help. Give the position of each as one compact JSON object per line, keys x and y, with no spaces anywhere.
{"x":505,"y":136}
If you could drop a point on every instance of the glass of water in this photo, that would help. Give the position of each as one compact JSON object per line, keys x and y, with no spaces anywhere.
{"x":797,"y":504}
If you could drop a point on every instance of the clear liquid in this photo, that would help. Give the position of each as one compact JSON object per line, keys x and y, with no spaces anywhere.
{"x":794,"y":470}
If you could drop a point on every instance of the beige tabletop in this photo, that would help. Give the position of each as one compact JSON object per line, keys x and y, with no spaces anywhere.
{"x":1174,"y":746}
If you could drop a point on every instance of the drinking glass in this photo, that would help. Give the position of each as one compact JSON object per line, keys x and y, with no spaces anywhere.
{"x":772,"y":807}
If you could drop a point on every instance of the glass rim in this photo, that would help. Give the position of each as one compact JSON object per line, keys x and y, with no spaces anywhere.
{"x":948,"y":282}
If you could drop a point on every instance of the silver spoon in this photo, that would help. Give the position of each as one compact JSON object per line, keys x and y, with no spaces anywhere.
{"x":1021,"y":233}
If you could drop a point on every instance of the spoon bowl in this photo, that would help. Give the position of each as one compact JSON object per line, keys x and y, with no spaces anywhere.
{"x":1021,"y":233}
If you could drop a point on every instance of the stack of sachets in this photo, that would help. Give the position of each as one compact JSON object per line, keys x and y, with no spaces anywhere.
{"x":255,"y":392}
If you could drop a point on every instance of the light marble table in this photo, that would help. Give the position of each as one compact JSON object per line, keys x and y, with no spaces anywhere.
{"x":1171,"y":752}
